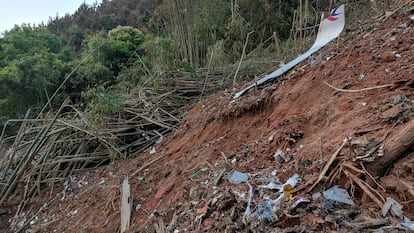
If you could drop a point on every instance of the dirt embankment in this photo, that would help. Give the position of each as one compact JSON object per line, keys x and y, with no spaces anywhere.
{"x":183,"y":187}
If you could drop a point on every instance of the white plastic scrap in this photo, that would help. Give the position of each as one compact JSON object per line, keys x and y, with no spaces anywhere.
{"x":234,"y":161}
{"x":300,"y":200}
{"x":160,"y":139}
{"x":153,"y":151}
{"x":138,"y":207}
{"x":34,"y":220}
{"x":272,"y":185}
{"x":75,"y":212}
{"x":236,"y":177}
{"x":102,"y":181}
{"x":408,"y":223}
{"x":248,"y":212}
{"x":338,"y":194}
{"x":280,"y":156}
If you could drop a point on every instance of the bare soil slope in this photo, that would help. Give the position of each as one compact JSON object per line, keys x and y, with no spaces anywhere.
{"x":184,"y":186}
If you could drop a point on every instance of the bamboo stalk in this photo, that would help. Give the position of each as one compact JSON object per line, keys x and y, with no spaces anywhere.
{"x":29,"y":155}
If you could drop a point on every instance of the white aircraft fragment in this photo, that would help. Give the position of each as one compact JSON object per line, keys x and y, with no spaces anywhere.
{"x":329,"y":29}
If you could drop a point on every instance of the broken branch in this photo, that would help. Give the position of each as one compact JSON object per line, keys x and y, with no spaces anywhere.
{"x":328,"y":164}
{"x":358,"y":90}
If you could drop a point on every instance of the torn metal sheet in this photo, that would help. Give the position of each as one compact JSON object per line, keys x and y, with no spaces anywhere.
{"x":272,"y":185}
{"x":236,"y":177}
{"x":396,"y":208}
{"x":329,"y":29}
{"x":338,"y":195}
{"x":409,"y":224}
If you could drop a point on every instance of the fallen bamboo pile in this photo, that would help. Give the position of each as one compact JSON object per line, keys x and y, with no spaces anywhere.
{"x":58,"y":144}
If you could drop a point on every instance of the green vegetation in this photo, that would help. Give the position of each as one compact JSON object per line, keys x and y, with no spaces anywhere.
{"x":105,"y":50}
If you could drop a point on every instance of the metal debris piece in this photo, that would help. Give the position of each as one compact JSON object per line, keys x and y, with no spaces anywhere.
{"x":75,"y":212}
{"x":394,"y":206}
{"x":247,"y":213}
{"x":300,"y":200}
{"x":264,"y":212}
{"x":409,"y":224}
{"x":338,"y":195}
{"x":236,"y":177}
{"x":138,"y":207}
{"x":160,"y":139}
{"x":280,"y":156}
{"x":328,"y":30}
{"x":272,"y":186}
{"x":102,"y":181}
{"x":316,"y":196}
{"x":292,"y":181}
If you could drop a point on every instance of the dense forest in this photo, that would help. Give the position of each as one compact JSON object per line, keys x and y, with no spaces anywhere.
{"x":102,"y":50}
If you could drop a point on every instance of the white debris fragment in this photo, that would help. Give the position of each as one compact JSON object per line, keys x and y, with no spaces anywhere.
{"x":280,"y":156}
{"x":153,"y":151}
{"x":300,"y":200}
{"x":75,"y":212}
{"x":160,"y":139}
{"x":272,"y":186}
{"x":102,"y":181}
{"x":396,"y":208}
{"x":236,"y":177}
{"x":338,"y":195}
{"x":234,"y":161}
{"x":408,"y":223}
{"x":138,"y":207}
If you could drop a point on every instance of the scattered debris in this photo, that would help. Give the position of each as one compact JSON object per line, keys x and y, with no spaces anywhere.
{"x":264,"y":212}
{"x":280,"y":156}
{"x":183,"y":192}
{"x":102,"y":181}
{"x":338,"y":195}
{"x":395,"y":207}
{"x":272,"y":185}
{"x":236,"y":177}
{"x":409,"y":224}
{"x":299,"y":201}
{"x":152,"y":151}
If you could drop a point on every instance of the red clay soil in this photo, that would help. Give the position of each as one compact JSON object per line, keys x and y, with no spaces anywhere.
{"x":184,"y":186}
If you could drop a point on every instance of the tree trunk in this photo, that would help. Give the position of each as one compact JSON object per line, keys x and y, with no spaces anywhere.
{"x":399,"y":144}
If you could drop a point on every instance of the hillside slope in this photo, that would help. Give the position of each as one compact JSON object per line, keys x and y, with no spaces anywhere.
{"x":184,"y":186}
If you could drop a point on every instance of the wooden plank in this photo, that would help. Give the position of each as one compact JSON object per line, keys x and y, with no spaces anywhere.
{"x":126,"y":205}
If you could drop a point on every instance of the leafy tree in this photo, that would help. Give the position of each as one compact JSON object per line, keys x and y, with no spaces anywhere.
{"x":112,"y":53}
{"x":31,"y":68}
